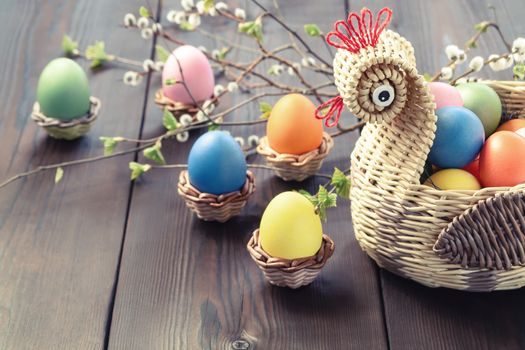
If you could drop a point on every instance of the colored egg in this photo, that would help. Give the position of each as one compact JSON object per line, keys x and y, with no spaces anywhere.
{"x":197,"y":74}
{"x":484,"y":102}
{"x":453,"y":179}
{"x":459,"y":137}
{"x":512,"y":125}
{"x":473,"y":168}
{"x":290,"y":228}
{"x":216,"y":163}
{"x":501,"y":160}
{"x":292,"y":127}
{"x":445,"y":95}
{"x":63,"y":90}
{"x":521,"y":132}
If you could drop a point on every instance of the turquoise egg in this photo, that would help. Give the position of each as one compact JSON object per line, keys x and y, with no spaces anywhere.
{"x":216,"y":163}
{"x":459,"y":138}
{"x":484,"y":102}
{"x":63,"y":90}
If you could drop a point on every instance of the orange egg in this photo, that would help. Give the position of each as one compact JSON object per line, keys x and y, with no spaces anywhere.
{"x":512,"y":125}
{"x":501,"y":160}
{"x":292,"y":127}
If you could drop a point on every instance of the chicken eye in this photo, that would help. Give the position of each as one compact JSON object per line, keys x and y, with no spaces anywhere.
{"x":383,"y":96}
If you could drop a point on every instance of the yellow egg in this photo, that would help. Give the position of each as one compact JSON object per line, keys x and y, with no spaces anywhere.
{"x":453,"y":179}
{"x":290,"y":228}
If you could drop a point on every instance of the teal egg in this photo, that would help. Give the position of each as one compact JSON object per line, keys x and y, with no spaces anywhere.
{"x":484,"y":102}
{"x":63,"y":90}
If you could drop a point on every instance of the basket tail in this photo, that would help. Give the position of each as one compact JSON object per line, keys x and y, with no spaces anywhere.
{"x":489,"y":235}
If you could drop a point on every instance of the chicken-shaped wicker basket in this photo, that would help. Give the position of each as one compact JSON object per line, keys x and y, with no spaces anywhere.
{"x":471,"y":240}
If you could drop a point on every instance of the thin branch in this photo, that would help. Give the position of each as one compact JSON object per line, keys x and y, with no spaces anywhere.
{"x":293,"y":32}
{"x":296,"y":171}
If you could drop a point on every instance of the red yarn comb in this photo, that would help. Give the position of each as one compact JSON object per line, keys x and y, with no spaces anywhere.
{"x":363,"y":34}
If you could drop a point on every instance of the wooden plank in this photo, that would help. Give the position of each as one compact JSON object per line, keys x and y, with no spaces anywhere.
{"x":60,"y":245}
{"x":418,"y":317}
{"x":188,"y":284}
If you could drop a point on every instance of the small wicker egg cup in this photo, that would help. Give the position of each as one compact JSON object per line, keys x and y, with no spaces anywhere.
{"x":211,"y":207}
{"x":294,"y":167}
{"x":290,"y":273}
{"x":69,"y":130}
{"x":178,"y":108}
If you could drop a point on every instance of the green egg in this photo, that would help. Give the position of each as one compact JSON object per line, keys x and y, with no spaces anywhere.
{"x":484,"y":102}
{"x":63,"y":90}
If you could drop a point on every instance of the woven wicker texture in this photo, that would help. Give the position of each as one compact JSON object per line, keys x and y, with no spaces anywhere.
{"x":397,"y":221}
{"x":296,"y":167}
{"x":290,"y":273}
{"x":490,"y":235}
{"x":211,"y":207}
{"x":174,"y":107}
{"x":67,"y":130}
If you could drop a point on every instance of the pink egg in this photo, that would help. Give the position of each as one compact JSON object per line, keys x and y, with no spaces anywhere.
{"x":445,"y":95}
{"x":521,"y":132}
{"x":196,"y":71}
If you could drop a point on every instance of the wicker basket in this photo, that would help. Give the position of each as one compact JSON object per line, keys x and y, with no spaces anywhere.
{"x":296,"y":167}
{"x":69,"y":130}
{"x":469,"y":240}
{"x":178,"y":108}
{"x":290,"y":273}
{"x":211,"y":207}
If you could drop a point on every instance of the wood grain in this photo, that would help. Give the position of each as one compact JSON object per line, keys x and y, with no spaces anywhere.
{"x":418,"y":317}
{"x":188,"y":284}
{"x":59,"y":245}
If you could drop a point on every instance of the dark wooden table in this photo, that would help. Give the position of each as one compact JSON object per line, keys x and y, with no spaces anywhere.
{"x":99,"y":262}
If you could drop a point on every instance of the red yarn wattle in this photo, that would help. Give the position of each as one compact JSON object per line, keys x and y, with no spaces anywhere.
{"x":331,"y":117}
{"x":363,"y":34}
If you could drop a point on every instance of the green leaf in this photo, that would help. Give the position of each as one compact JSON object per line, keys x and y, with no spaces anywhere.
{"x":144,"y":12}
{"x":154,"y":153}
{"x":471,"y":44}
{"x":265,"y":109}
{"x":312,"y":30}
{"x":252,"y":28}
{"x":312,"y":199}
{"x":69,"y":46}
{"x":161,"y":53}
{"x":275,"y":69}
{"x":213,"y":127}
{"x":138,"y":169}
{"x":170,"y":82}
{"x":59,"y":174}
{"x":208,"y":5}
{"x":169,"y":121}
{"x":97,"y":55}
{"x":341,"y":183}
{"x":223,"y":52}
{"x":325,"y":200}
{"x":482,"y":26}
{"x":519,"y":70}
{"x":185,"y":25}
{"x":109,"y":144}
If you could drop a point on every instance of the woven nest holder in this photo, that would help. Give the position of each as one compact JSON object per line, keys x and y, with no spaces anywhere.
{"x":211,"y":207}
{"x":290,"y":273}
{"x":69,"y":130}
{"x":296,"y":167}
{"x":177,"y":108}
{"x":469,"y":240}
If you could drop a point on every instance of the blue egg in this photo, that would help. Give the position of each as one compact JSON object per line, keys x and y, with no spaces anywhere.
{"x":459,"y":137}
{"x":216,"y":163}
